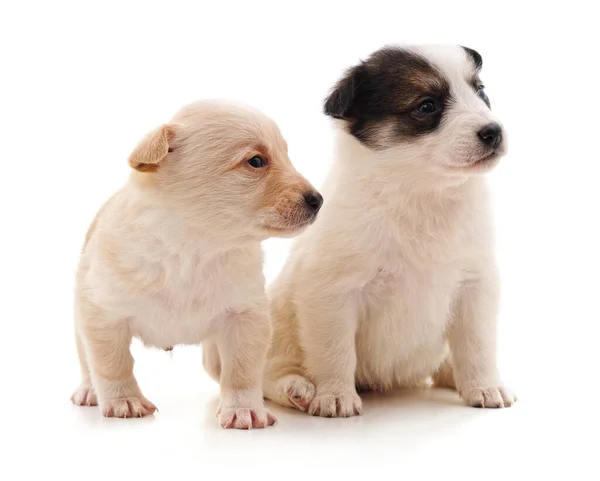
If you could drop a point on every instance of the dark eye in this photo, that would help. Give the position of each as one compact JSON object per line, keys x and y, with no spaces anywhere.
{"x":257,"y":162}
{"x":427,"y":107}
{"x":481,"y":94}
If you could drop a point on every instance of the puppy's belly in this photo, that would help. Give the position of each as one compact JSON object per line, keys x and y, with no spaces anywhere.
{"x":164,"y":328}
{"x":401,"y":340}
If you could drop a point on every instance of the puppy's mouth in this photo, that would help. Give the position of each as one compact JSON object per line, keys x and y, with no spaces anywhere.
{"x":487,"y":160}
{"x":284,"y":230}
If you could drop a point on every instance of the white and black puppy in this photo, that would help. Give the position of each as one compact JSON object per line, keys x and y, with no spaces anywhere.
{"x":396,"y":283}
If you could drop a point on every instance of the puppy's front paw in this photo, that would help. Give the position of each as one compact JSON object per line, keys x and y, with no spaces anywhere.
{"x":128,"y":407}
{"x":84,"y":395}
{"x":123,"y":399}
{"x":488,"y":397}
{"x":331,"y":405}
{"x":245,"y":418}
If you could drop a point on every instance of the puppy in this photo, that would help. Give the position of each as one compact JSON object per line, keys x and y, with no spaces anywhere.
{"x":175,"y":258}
{"x":396,"y":282}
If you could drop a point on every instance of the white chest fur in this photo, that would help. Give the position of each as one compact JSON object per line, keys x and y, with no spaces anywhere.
{"x":405,"y":316}
{"x":177,"y":297}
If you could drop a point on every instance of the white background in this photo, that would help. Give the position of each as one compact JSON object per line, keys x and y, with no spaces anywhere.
{"x":82,"y":82}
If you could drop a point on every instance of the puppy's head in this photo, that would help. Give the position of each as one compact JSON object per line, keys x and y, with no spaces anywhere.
{"x":427,"y":104}
{"x":225,"y":167}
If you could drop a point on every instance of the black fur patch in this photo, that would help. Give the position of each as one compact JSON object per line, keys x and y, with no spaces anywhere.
{"x":379,"y":97}
{"x":475,"y":80}
{"x":477,"y":60}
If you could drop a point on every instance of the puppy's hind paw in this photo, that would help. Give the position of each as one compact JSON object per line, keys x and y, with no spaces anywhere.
{"x":244,"y":418}
{"x":84,"y":395}
{"x":489,"y":397}
{"x":300,"y":391}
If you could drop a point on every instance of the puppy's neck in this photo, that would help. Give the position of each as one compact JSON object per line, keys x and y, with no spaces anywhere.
{"x":180,"y":229}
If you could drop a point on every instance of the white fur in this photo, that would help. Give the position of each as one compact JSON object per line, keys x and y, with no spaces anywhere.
{"x":396,"y":281}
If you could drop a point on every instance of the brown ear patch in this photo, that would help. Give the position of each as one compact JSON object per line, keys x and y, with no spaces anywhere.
{"x":153,"y":148}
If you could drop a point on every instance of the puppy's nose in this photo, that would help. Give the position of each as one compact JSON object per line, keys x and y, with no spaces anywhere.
{"x":314,"y":201}
{"x":491,"y":134}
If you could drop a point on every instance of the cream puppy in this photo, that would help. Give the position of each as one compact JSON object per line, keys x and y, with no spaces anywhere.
{"x":396,"y":282}
{"x":175,"y":258}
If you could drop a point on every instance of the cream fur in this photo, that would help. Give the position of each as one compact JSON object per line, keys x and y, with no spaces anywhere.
{"x":397,"y":280}
{"x":175,"y":258}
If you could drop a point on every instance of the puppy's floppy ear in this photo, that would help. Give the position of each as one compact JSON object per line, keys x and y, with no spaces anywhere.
{"x":153,"y":148}
{"x":339,"y":103}
{"x":475,"y":57}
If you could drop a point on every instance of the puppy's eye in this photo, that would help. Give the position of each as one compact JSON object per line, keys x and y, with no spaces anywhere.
{"x":257,"y":162}
{"x":427,"y":107}
{"x":481,"y":94}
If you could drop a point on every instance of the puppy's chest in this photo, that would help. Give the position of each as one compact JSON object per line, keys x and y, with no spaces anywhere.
{"x":401,"y":334}
{"x":414,"y":291}
{"x":426,"y":240}
{"x":185,"y":302}
{"x":417,"y":276}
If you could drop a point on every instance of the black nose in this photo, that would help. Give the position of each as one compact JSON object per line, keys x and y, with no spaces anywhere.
{"x":314,"y":201}
{"x":490,"y":134}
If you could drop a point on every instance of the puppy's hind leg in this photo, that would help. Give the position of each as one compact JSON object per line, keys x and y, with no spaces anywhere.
{"x":211,"y":359}
{"x":285,"y":384}
{"x":284,"y":380}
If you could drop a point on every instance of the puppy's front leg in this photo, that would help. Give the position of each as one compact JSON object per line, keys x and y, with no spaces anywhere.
{"x":111,"y":369}
{"x":328,"y":331}
{"x":472,"y":339}
{"x":242,"y":346}
{"x":84,"y":395}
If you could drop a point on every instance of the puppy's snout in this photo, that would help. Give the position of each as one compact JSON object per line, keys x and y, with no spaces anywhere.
{"x":314,"y":200}
{"x":490,"y":134}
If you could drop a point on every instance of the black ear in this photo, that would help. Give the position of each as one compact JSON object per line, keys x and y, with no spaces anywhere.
{"x":477,"y":60}
{"x":339,"y":102}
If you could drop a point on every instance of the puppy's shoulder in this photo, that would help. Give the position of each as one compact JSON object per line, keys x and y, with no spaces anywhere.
{"x":99,"y":217}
